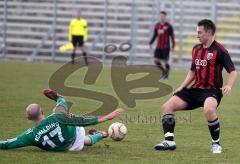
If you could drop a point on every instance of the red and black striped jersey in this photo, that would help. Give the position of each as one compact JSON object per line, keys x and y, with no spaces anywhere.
{"x":163,"y":32}
{"x":208,"y":63}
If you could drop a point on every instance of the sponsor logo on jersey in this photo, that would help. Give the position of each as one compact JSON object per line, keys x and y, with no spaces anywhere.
{"x":165,"y":27}
{"x":199,"y":62}
{"x":160,"y":31}
{"x":209,"y":56}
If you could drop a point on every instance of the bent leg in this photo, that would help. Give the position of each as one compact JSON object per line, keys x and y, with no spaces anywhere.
{"x":174,"y":104}
{"x":210,"y":108}
{"x":90,"y":140}
{"x":79,"y":141}
{"x":87,"y":141}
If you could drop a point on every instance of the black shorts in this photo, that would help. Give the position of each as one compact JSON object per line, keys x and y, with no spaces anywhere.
{"x":162,"y":54}
{"x":195,"y":97}
{"x":77,"y":40}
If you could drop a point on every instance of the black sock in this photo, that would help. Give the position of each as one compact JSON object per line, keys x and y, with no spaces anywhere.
{"x":85,"y":57}
{"x":73,"y":57}
{"x":167,"y":66}
{"x":168,"y":123}
{"x":214,"y":128}
{"x":159,"y":65}
{"x":167,"y":69}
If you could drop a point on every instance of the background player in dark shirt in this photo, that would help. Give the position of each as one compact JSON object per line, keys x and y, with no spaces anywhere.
{"x":163,"y":31}
{"x":208,"y":59}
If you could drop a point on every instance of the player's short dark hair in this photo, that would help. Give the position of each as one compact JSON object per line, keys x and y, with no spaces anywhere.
{"x":163,"y":12}
{"x":208,"y":25}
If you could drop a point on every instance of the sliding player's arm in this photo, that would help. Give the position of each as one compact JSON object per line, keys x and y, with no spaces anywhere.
{"x":23,"y":140}
{"x":63,"y":116}
{"x":76,"y":120}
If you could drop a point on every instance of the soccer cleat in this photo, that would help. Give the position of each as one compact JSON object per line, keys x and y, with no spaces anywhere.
{"x":165,"y":74}
{"x":166,"y":145}
{"x":51,"y":94}
{"x":165,"y":77}
{"x":102,"y":132}
{"x":216,"y":148}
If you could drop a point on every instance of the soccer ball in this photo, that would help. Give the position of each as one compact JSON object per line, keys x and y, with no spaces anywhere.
{"x":117,"y":131}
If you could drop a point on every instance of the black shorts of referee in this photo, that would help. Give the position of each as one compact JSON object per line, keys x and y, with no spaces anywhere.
{"x":77,"y":40}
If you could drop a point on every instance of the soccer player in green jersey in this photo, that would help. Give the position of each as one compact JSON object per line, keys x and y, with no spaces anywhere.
{"x":59,"y":131}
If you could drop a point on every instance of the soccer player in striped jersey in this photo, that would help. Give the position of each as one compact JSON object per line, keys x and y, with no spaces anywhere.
{"x":208,"y":60}
{"x":163,"y":31}
{"x":78,"y":33}
{"x":59,"y":131}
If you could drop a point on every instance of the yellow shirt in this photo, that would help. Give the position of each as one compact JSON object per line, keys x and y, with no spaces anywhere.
{"x":78,"y":27}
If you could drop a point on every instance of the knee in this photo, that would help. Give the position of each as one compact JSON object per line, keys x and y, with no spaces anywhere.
{"x":209,"y":111}
{"x":87,"y":141}
{"x":167,"y":109}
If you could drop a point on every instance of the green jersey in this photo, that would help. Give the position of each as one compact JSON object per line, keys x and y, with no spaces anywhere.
{"x":51,"y":134}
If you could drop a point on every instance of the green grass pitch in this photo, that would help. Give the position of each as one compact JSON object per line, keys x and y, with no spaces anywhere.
{"x":21,"y":83}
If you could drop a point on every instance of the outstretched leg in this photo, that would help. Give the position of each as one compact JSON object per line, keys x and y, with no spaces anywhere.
{"x":64,"y":116}
{"x":168,"y":122}
{"x":94,"y":136}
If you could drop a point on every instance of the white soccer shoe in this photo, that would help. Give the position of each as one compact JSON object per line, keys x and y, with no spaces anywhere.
{"x":216,"y":149}
{"x":166,"y":145}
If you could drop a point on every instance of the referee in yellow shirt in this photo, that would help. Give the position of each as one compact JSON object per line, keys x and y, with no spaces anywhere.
{"x":78,"y":34}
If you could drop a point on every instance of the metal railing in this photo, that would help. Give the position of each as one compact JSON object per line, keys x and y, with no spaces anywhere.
{"x":41,"y":43}
{"x":51,"y":32}
{"x":4,"y":29}
{"x":104,"y":32}
{"x":134,"y":29}
{"x":177,"y":11}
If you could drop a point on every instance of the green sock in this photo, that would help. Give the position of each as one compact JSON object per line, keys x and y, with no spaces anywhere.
{"x":95,"y":138}
{"x":62,"y":102}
